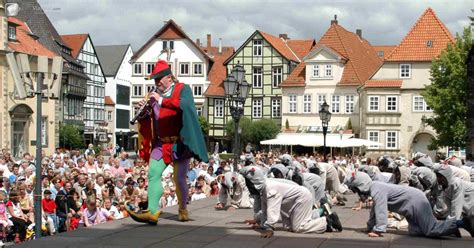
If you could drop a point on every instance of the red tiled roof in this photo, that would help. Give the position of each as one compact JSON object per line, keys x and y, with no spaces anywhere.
{"x":280,"y":46}
{"x":26,"y":43}
{"x":75,"y":42}
{"x":385,"y":49}
{"x":108,"y":101}
{"x":301,"y":47}
{"x":414,"y":46}
{"x":218,"y":70}
{"x":383,"y":83}
{"x":296,"y":77}
{"x":170,"y":30}
{"x":362,"y":58}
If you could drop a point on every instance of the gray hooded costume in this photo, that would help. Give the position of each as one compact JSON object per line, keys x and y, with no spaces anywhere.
{"x":233,"y":185}
{"x":459,"y":195}
{"x":330,"y":177}
{"x":406,"y":201}
{"x":280,"y":197}
{"x":311,"y":181}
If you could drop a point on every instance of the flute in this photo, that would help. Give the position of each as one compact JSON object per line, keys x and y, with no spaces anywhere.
{"x":144,"y":108}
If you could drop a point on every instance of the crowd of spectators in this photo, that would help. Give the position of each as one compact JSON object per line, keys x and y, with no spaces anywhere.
{"x":81,"y":189}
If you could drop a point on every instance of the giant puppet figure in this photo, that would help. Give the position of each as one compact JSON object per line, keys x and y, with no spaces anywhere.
{"x":168,"y":134}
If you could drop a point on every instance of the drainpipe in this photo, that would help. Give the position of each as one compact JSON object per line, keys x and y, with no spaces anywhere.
{"x":360,"y":109}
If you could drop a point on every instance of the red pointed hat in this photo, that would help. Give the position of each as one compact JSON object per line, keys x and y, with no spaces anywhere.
{"x":162,"y":69}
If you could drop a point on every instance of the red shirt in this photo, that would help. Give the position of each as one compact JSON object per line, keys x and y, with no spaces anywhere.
{"x":48,"y":206}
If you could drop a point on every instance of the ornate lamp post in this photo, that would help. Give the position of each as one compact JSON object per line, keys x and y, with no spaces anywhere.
{"x":325,"y":117}
{"x":236,"y":91}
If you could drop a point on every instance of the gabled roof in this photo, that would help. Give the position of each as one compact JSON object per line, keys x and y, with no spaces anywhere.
{"x":170,"y":30}
{"x":301,"y":47}
{"x":38,"y":22}
{"x":296,"y":77}
{"x":218,"y":70}
{"x":111,"y":58}
{"x":277,"y":43}
{"x":414,"y":47}
{"x":320,"y":47}
{"x":108,"y":101}
{"x":75,"y":42}
{"x":362,"y":59}
{"x":386,"y":49}
{"x":25,"y":43}
{"x":383,"y":83}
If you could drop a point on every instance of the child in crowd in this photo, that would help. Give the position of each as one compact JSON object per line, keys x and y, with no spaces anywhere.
{"x":4,"y":221}
{"x":93,"y":215}
{"x":198,"y":194}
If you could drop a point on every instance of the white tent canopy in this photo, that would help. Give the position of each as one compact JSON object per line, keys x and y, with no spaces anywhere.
{"x":317,"y":140}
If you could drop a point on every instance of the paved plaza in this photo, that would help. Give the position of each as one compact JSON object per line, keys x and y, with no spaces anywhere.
{"x":210,"y":228}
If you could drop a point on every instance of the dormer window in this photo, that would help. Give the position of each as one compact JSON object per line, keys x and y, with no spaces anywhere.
{"x":11,"y":32}
{"x":429,"y":43}
{"x":381,"y":54}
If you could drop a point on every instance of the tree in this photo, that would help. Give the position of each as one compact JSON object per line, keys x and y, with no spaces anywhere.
{"x":287,"y":124}
{"x":70,"y":137}
{"x":204,"y":125}
{"x":447,"y":94}
{"x":263,"y":129}
{"x":245,"y":125}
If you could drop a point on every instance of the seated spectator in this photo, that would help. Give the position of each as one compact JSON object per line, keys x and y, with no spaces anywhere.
{"x":172,"y":198}
{"x":122,"y":212}
{"x":62,"y":208}
{"x":49,"y":212}
{"x":4,"y":221}
{"x":130,"y":193}
{"x":101,"y":166}
{"x":142,"y":187}
{"x":113,"y":211}
{"x":198,"y":194}
{"x":90,"y":165}
{"x":116,"y":170}
{"x":74,"y":204}
{"x":26,"y":203}
{"x":16,"y":216}
{"x":214,"y":188}
{"x":88,"y":190}
{"x":93,"y":215}
{"x":201,"y":182}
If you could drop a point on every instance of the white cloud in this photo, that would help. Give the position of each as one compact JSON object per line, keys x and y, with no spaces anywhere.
{"x":135,"y":21}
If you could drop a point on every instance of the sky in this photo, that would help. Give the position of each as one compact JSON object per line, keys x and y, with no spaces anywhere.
{"x":111,"y":22}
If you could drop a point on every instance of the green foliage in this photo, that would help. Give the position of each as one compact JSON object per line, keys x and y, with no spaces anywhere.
{"x":70,"y":137}
{"x":447,"y":94}
{"x":204,"y":125}
{"x":245,"y":125}
{"x":226,"y":156}
{"x":264,"y":129}
{"x":287,"y":124}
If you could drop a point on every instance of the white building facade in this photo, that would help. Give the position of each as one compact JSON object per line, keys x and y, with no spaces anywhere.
{"x":118,"y":71}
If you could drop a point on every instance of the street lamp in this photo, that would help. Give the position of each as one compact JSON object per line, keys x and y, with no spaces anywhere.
{"x":325,"y":117}
{"x":236,"y":91}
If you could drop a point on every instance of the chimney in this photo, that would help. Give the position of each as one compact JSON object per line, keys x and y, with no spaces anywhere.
{"x":220,"y":45}
{"x":208,"y":40}
{"x":283,"y":36}
{"x":335,"y":20}
{"x":359,"y":33}
{"x":198,"y":42}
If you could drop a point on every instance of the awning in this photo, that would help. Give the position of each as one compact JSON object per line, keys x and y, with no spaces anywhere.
{"x":306,"y":139}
